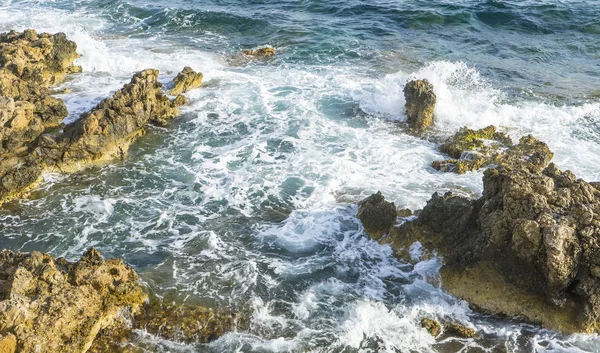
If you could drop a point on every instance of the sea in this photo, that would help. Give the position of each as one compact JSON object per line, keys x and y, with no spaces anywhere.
{"x":247,"y":200}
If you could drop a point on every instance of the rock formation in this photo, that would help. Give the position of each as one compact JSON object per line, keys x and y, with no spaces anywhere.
{"x":52,"y":305}
{"x":420,"y":103}
{"x":376,"y":215}
{"x":529,"y":247}
{"x":106,"y":131}
{"x":472,"y":149}
{"x":29,"y":116}
{"x":186,"y":80}
{"x":260,"y":52}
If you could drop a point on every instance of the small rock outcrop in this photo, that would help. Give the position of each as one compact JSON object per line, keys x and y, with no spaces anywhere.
{"x":107,"y":130}
{"x":186,"y":80}
{"x":529,"y":247}
{"x":472,"y":149}
{"x":377,"y":215}
{"x":260,"y":52}
{"x":53,"y":305}
{"x":420,"y":104}
{"x":50,"y":305}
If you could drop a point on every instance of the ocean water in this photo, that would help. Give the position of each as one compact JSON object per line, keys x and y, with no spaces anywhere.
{"x":247,"y":200}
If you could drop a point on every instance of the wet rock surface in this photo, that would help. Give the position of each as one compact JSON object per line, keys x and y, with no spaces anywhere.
{"x":260,"y":52}
{"x":30,"y":116}
{"x":529,"y":247}
{"x":186,"y":80}
{"x":420,"y":104}
{"x":472,"y":149}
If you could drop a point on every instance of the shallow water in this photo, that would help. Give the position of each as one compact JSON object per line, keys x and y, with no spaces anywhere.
{"x":247,"y":200}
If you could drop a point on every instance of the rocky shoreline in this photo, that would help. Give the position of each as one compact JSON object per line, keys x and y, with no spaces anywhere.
{"x":53,"y":305}
{"x":528,"y":248}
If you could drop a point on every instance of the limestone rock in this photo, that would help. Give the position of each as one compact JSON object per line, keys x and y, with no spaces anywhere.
{"x":107,"y":130}
{"x":260,"y":52}
{"x":8,"y":344}
{"x":529,"y":247}
{"x":472,"y":149}
{"x":53,"y":305}
{"x":420,"y":104}
{"x":457,"y":330}
{"x":41,"y":58}
{"x":186,"y":80}
{"x":433,"y":327}
{"x":377,"y":215}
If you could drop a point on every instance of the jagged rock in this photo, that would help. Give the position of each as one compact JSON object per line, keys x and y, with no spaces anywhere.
{"x":44,"y":58}
{"x":433,"y":327}
{"x":529,"y":247}
{"x":260,"y":52}
{"x":106,"y":131}
{"x":56,"y":306}
{"x":420,"y":104}
{"x":472,"y":149}
{"x":186,"y":80}
{"x":457,"y":330}
{"x":169,"y":320}
{"x":376,"y":215}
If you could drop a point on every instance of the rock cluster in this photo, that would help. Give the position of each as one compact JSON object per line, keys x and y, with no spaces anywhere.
{"x":260,"y":52}
{"x":29,"y":116}
{"x":52,"y":305}
{"x":420,"y":104}
{"x":529,"y":247}
{"x":472,"y":149}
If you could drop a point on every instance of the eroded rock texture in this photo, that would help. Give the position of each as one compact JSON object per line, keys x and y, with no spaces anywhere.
{"x":420,"y":104}
{"x":529,"y":247}
{"x":472,"y":149}
{"x":53,"y":305}
{"x":30,"y":117}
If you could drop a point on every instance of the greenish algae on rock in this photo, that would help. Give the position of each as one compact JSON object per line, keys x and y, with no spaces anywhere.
{"x":472,"y":149}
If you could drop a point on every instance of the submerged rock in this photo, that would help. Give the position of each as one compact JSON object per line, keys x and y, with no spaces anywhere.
{"x":420,"y":104}
{"x":260,"y":52}
{"x":186,"y":80}
{"x":527,"y":248}
{"x":53,"y":305}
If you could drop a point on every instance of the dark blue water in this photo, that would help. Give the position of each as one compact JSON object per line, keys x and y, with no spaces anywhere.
{"x":247,"y":200}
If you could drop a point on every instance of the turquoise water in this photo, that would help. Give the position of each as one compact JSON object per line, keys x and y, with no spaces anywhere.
{"x":247,"y":200}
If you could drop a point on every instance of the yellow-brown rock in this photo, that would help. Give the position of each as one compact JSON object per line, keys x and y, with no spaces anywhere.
{"x":56,"y":306}
{"x":186,"y":80}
